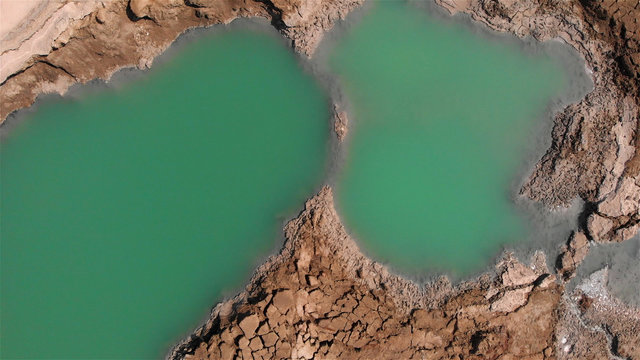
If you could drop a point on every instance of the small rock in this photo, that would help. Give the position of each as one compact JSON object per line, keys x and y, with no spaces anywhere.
{"x":243,"y":343}
{"x":306,"y":351}
{"x":140,"y":8}
{"x":264,"y":328}
{"x":512,"y":299}
{"x":599,"y":227}
{"x":283,"y":351}
{"x":340,"y":122}
{"x":249,"y":325}
{"x":227,"y":351}
{"x":269,"y":339}
{"x":517,"y":274}
{"x":101,"y":17}
{"x":256,"y":344}
{"x":283,"y":301}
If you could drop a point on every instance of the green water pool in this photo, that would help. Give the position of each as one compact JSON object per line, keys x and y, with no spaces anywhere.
{"x":439,"y":115}
{"x":126,"y":214}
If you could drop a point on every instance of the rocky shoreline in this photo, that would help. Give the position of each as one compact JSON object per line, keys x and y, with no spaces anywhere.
{"x":320,"y":297}
{"x":593,"y":153}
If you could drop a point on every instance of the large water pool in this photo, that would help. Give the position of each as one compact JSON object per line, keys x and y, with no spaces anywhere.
{"x":126,"y":214}
{"x":440,"y":118}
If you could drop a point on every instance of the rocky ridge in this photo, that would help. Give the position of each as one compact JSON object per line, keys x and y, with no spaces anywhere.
{"x":124,"y":33}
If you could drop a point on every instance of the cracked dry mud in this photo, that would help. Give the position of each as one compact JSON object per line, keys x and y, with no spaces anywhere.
{"x":320,"y":297}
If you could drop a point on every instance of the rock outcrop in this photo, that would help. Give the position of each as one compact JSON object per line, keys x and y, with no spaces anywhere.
{"x":123,"y":33}
{"x":592,"y":324}
{"x":37,"y":25}
{"x":340,"y":122}
{"x":321,"y":298}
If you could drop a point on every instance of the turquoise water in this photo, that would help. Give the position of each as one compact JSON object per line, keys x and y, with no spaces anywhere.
{"x":126,"y":214}
{"x":440,"y":119}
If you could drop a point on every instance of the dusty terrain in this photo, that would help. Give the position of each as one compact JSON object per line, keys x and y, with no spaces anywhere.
{"x":28,"y":28}
{"x":123,"y":33}
{"x":320,"y":297}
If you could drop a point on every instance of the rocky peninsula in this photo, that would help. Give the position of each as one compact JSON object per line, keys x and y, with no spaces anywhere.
{"x":320,"y":297}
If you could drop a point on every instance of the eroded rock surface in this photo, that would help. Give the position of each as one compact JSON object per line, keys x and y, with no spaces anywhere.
{"x":573,"y":253}
{"x":321,"y":298}
{"x":124,"y":33}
